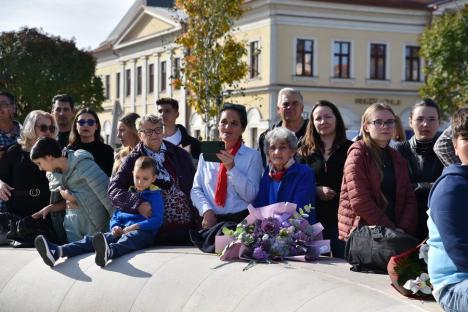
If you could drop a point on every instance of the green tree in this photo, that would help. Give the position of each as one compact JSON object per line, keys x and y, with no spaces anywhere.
{"x":35,"y":66}
{"x":214,"y":58}
{"x":444,"y":46}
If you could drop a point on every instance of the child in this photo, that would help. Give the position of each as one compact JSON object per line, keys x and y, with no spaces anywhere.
{"x":129,"y":232}
{"x":448,"y":217}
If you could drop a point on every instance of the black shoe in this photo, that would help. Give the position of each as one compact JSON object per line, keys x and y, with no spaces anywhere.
{"x":102,"y":249}
{"x":49,"y":252}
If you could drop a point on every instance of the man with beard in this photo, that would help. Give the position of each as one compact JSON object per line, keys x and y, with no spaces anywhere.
{"x":63,"y":109}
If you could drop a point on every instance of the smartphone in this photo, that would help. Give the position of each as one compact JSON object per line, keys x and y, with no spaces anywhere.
{"x":210,"y":148}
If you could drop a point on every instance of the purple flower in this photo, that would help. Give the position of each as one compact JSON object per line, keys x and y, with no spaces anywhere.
{"x":270,"y":226}
{"x":259,"y":254}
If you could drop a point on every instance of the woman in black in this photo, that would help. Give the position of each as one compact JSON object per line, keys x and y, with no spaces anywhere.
{"x":424,"y":165}
{"x":324,"y":149}
{"x":86,"y":135}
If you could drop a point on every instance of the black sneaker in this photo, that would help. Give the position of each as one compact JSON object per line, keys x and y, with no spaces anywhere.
{"x":49,"y":252}
{"x":101,"y":248}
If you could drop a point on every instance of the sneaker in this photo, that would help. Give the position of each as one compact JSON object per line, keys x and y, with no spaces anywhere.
{"x":102,"y":249}
{"x":49,"y":252}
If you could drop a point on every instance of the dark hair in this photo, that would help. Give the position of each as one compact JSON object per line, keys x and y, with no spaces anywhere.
{"x":145,"y":162}
{"x":460,"y":123}
{"x":64,"y":98}
{"x":10,"y":96}
{"x":240,"y":109}
{"x":75,"y":136}
{"x":46,"y":147}
{"x":129,"y":120}
{"x":427,"y":103}
{"x":174,"y":104}
{"x":312,"y":140}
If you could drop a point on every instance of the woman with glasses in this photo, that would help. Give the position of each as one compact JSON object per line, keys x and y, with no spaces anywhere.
{"x":324,"y":149}
{"x":86,"y":135}
{"x":23,"y":186}
{"x":424,"y":165}
{"x":376,"y":188}
{"x":175,"y":178}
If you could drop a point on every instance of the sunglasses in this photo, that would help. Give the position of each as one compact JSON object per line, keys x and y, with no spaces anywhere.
{"x":44,"y":128}
{"x":83,"y":122}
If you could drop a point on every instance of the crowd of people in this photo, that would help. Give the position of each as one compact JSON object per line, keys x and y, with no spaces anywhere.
{"x":158,"y":188}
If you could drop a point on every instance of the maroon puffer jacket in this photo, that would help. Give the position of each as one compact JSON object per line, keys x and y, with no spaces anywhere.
{"x":361,"y":201}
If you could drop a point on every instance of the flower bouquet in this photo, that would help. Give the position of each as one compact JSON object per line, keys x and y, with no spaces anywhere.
{"x":275,"y":232}
{"x":408,"y":272}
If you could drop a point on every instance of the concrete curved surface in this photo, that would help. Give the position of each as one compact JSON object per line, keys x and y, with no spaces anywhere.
{"x":184,"y":279}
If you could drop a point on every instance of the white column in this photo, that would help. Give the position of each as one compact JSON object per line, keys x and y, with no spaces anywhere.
{"x":157,"y":75}
{"x":183,"y":109}
{"x":133,"y":83}
{"x":122,"y":86}
{"x":170,"y":73}
{"x":144,"y":82}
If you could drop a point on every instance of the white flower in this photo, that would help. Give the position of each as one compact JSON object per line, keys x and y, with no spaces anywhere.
{"x":423,"y":252}
{"x":420,"y":284}
{"x":265,"y":237}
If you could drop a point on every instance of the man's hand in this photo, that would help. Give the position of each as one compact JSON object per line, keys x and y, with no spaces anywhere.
{"x":209,"y":219}
{"x":5,"y":191}
{"x":145,"y":209}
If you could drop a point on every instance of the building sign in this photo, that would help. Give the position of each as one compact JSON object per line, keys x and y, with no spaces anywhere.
{"x":370,"y":101}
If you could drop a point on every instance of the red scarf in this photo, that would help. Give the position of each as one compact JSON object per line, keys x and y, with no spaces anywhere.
{"x":221,"y":183}
{"x":278,"y":175}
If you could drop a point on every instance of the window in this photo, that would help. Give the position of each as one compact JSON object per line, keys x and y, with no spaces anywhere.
{"x":341,"y":59}
{"x":377,"y":61}
{"x":107,"y":87}
{"x":304,"y":57}
{"x":128,"y":81}
{"x":139,"y":80}
{"x":163,"y":76}
{"x":413,"y":64}
{"x":254,"y":56}
{"x":176,"y":71}
{"x":151,"y":78}
{"x":117,"y":85}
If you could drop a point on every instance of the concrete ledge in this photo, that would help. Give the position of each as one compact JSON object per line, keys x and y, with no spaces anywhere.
{"x":184,"y":279}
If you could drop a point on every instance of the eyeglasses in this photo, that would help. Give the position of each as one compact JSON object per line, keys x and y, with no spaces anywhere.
{"x":83,"y":122}
{"x":429,"y":120}
{"x":381,"y":123}
{"x":44,"y":128}
{"x":149,"y":132}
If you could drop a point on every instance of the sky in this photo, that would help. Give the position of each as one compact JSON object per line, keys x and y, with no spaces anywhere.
{"x":88,"y":21}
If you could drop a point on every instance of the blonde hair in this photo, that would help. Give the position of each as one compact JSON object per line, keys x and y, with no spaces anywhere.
{"x":28,"y":132}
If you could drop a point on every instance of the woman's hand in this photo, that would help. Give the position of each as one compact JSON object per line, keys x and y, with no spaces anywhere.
{"x":145,"y":209}
{"x":42,"y":213}
{"x":5,"y":191}
{"x":325,"y":193}
{"x":226,"y":158}
{"x":117,"y":231}
{"x":209,"y":219}
{"x":67,"y":195}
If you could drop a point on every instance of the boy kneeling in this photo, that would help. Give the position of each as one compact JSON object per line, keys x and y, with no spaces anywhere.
{"x":129,"y":232}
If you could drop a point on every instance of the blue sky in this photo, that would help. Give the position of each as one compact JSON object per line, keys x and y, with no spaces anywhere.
{"x":88,"y":21}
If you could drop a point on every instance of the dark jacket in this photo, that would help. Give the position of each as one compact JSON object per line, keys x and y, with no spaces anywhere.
{"x":102,"y":153}
{"x":360,"y":199}
{"x":188,"y":140}
{"x":297,"y":186}
{"x":118,"y":191}
{"x":261,"y":138}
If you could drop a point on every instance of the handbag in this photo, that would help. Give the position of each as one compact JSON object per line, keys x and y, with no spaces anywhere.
{"x":369,"y":248}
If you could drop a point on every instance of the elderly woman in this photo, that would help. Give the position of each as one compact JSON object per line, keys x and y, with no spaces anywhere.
{"x":86,"y":135}
{"x":284,"y":179}
{"x":23,"y":186}
{"x":175,"y":178}
{"x":128,"y":136}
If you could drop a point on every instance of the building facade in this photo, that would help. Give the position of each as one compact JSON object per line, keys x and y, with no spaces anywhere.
{"x":352,"y":53}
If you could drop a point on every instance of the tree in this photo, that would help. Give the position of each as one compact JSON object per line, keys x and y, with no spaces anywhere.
{"x":35,"y":66}
{"x":444,"y":46}
{"x":214,"y":59}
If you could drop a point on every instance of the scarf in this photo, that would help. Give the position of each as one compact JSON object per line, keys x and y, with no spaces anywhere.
{"x":221,"y":183}
{"x":278,"y":175}
{"x":163,"y":178}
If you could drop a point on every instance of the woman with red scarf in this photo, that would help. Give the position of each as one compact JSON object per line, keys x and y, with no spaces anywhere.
{"x":284,"y":179}
{"x":222,"y":191}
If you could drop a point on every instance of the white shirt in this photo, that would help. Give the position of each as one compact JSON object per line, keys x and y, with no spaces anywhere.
{"x":175,"y":138}
{"x":242,"y":186}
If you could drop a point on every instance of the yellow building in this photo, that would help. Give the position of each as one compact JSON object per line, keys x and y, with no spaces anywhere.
{"x":352,"y":53}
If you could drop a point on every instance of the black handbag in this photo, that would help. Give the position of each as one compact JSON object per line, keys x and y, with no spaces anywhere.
{"x":369,"y":248}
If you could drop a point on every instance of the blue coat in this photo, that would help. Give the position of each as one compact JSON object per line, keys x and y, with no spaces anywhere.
{"x":297,"y":186}
{"x":153,"y":223}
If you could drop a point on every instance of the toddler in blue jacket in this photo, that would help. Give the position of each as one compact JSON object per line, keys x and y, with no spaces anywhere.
{"x":129,"y":232}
